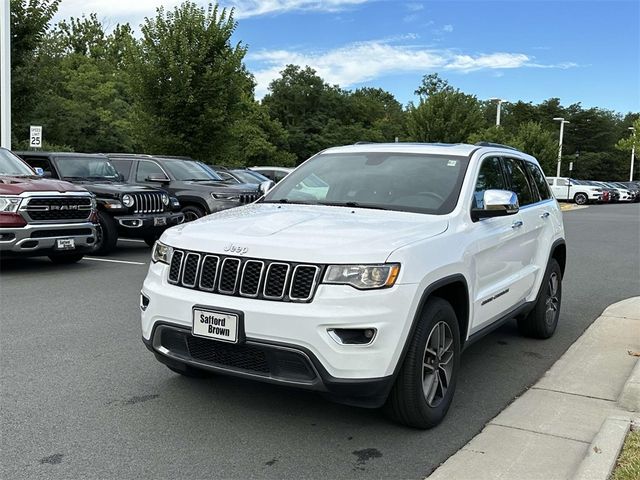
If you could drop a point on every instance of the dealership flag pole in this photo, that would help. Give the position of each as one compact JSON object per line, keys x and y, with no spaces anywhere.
{"x":5,"y":75}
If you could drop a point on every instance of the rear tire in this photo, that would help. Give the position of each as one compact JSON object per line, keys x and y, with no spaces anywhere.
{"x":424,"y":389}
{"x":580,"y":199}
{"x":107,"y":235}
{"x":66,"y":259}
{"x":541,"y":322}
{"x":192,"y":212}
{"x":189,"y":371}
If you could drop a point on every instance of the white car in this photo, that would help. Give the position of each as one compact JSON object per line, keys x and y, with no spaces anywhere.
{"x":625,"y":195}
{"x":274,"y":174}
{"x":569,"y":189}
{"x":370,"y":294}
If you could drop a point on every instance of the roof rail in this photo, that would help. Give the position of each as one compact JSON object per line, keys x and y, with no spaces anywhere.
{"x":363,"y":142}
{"x":498,"y":145}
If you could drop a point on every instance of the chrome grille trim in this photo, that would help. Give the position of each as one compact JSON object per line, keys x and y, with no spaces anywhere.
{"x":215,"y":275}
{"x":266,"y":281}
{"x":195,"y":276}
{"x":210,"y":276}
{"x":313,"y":284}
{"x":221,"y":275}
{"x":244,"y":268}
{"x":150,"y":202}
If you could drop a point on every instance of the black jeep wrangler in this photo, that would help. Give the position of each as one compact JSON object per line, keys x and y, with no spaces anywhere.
{"x":123,"y":210}
{"x":196,"y":185}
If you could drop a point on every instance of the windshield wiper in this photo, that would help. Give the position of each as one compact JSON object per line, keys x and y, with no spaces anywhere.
{"x":73,"y":177}
{"x":290,"y":202}
{"x":354,"y":205}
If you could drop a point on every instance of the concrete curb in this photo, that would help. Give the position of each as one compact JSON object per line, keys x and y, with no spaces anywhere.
{"x":603,"y":452}
{"x":630,"y":396}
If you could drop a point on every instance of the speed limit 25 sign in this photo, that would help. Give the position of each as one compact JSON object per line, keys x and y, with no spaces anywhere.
{"x":35,"y":136}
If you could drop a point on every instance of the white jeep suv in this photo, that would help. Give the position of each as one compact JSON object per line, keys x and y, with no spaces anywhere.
{"x":370,"y":293}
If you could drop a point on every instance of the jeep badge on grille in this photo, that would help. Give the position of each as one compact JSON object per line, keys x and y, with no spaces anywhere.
{"x":235,"y":249}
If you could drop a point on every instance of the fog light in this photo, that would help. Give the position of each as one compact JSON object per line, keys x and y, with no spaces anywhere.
{"x":352,"y":336}
{"x":144,"y":302}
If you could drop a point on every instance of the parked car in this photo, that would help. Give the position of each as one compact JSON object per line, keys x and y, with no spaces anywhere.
{"x":633,"y":187}
{"x":240,"y":175}
{"x":370,"y":293}
{"x":198,"y":188}
{"x":123,"y":210}
{"x":41,"y":217}
{"x":274,"y":174}
{"x":569,"y":189}
{"x":632,"y":192}
{"x":609,"y":195}
{"x":623,"y":195}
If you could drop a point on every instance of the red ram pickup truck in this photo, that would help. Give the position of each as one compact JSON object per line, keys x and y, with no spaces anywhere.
{"x":41,"y":217}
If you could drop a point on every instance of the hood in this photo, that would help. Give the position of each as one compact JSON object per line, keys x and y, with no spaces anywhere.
{"x":17,"y":185}
{"x":306,"y":233}
{"x":215,"y":187}
{"x":116,"y":189}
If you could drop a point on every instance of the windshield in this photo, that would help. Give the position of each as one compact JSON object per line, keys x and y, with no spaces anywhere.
{"x":86,"y":168}
{"x":190,"y":170}
{"x":250,"y":177}
{"x":12,"y":165}
{"x":391,"y":181}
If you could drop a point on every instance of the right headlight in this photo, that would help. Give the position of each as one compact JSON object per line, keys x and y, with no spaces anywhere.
{"x":9,"y":204}
{"x":363,"y":277}
{"x":161,"y":253}
{"x":127,"y":200}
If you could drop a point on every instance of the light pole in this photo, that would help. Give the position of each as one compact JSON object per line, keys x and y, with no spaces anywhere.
{"x":499,"y":100}
{"x":562,"y":122}
{"x":633,"y":152}
{"x":5,"y":75}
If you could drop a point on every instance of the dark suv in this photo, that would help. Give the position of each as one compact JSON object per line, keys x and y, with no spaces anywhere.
{"x":198,"y":188}
{"x":123,"y":210}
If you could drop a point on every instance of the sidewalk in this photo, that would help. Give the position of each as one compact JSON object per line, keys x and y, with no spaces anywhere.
{"x":548,"y":432}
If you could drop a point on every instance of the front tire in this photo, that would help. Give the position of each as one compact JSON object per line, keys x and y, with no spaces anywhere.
{"x":423,"y":391}
{"x":107,"y":234}
{"x":580,"y":199}
{"x":192,"y":212}
{"x":541,"y":322}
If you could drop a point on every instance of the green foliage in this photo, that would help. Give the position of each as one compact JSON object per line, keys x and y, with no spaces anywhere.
{"x":444,"y":114}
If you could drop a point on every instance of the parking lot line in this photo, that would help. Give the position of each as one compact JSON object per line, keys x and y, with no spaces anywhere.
{"x":131,"y":240}
{"x":114,"y":261}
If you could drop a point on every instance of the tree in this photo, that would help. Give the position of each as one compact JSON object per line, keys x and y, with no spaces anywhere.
{"x":444,"y":114}
{"x":533,"y":139}
{"x":189,"y":82}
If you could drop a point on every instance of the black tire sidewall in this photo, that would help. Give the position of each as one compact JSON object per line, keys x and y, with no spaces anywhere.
{"x":546,"y":330}
{"x":198,"y":211}
{"x":109,"y":232}
{"x":580,"y":196}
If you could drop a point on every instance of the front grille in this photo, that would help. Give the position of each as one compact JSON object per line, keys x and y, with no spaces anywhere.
{"x":148,"y":202}
{"x":240,"y":277}
{"x":248,"y":197}
{"x":243,"y":357}
{"x":56,"y":209}
{"x":68,"y":232}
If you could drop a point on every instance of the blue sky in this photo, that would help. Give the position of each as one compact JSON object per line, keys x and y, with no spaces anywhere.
{"x":580,"y":51}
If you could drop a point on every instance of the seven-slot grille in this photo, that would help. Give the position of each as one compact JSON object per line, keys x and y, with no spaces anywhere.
{"x":248,"y":197}
{"x":147,"y":202}
{"x":253,"y":278}
{"x":58,"y":208}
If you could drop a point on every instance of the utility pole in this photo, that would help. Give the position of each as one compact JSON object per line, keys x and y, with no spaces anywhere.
{"x":633,"y":152}
{"x":499,"y":100}
{"x":562,"y":122}
{"x":5,"y":75}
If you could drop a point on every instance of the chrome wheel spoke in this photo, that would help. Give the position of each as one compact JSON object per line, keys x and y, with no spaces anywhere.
{"x":437,"y":365}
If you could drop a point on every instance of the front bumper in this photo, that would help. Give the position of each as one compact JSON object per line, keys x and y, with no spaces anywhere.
{"x":303,"y":327}
{"x":142,"y":225}
{"x":40,"y":239}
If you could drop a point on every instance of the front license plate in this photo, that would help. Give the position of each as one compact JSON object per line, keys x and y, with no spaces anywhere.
{"x":65,"y":244}
{"x":159,"y":221}
{"x":217,"y":325}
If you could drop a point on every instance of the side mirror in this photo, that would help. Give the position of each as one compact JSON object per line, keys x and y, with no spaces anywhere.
{"x":157,"y":178}
{"x":266,"y":186}
{"x":39,"y":171}
{"x":497,"y":203}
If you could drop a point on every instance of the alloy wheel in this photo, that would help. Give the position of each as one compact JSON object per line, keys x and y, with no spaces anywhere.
{"x":552,"y":302}
{"x":437,"y":364}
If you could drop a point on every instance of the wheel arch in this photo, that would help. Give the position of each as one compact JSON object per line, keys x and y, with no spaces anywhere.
{"x":559,"y":253}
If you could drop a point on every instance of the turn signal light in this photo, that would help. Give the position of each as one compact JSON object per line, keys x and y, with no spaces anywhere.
{"x":11,"y":220}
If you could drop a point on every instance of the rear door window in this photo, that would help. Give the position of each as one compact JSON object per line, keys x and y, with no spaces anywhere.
{"x":519,"y":181}
{"x":538,"y":180}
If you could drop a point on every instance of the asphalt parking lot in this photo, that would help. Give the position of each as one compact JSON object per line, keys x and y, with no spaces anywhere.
{"x":82,"y":398}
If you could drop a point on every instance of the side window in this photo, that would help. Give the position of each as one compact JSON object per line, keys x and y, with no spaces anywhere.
{"x":538,"y":178}
{"x":147,"y":168}
{"x":278,"y":175}
{"x":42,"y":163}
{"x":562,"y":182}
{"x":550,"y":181}
{"x":520,"y":181}
{"x":490,"y":177}
{"x":122,"y":166}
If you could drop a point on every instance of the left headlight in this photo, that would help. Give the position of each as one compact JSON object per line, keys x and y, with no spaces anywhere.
{"x":161,"y":253}
{"x":127,"y":200}
{"x":9,"y":204}
{"x":363,"y":277}
{"x":165,"y":199}
{"x":225,"y":196}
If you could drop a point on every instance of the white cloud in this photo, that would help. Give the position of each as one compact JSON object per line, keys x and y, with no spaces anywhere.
{"x":252,"y":8}
{"x":447,"y":28}
{"x":361,"y":62}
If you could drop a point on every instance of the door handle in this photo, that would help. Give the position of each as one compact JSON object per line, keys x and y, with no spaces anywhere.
{"x":544,"y":215}
{"x":517,"y":224}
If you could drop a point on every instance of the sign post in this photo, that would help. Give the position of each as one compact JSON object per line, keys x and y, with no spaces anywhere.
{"x":35,"y":136}
{"x":569,"y":180}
